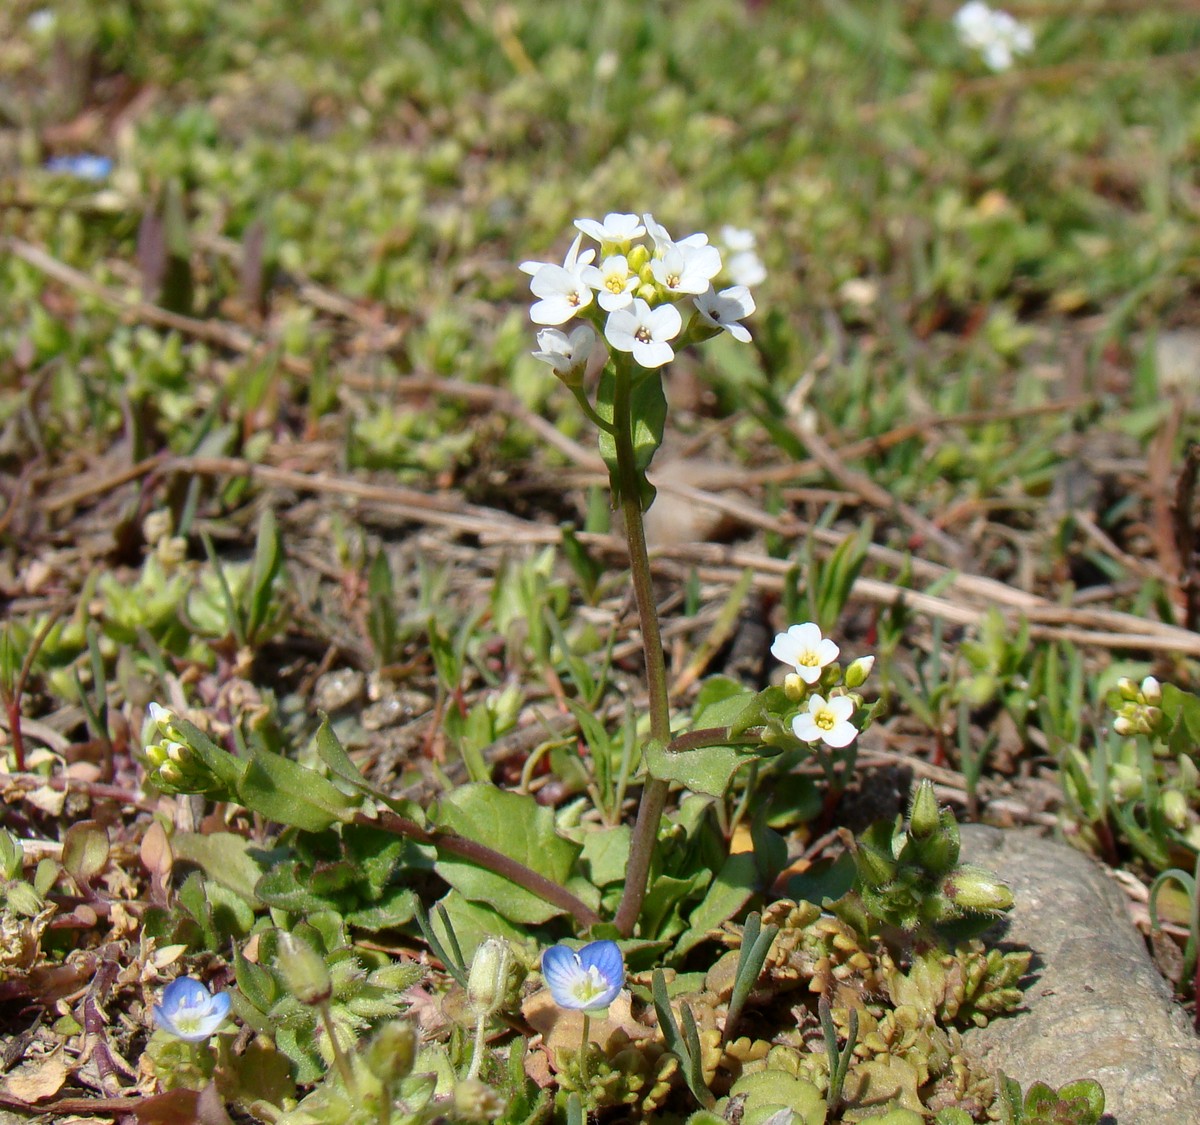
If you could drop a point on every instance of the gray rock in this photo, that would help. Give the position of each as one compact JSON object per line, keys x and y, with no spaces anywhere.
{"x":1096,"y":1006}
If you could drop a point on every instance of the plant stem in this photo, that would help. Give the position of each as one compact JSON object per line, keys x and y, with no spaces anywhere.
{"x":583,"y":1055}
{"x":339,"y":1056}
{"x":654,"y":792}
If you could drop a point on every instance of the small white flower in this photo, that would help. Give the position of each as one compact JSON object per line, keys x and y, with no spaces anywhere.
{"x":568,"y":355}
{"x":644,"y":331}
{"x":746,"y":268}
{"x":616,"y":228}
{"x":563,"y":294}
{"x":826,"y":721}
{"x":737,"y":238}
{"x":663,"y":240}
{"x":725,"y":309}
{"x":803,"y":647}
{"x":996,"y":35}
{"x":572,"y":263}
{"x":686,"y":269}
{"x":613,"y":282}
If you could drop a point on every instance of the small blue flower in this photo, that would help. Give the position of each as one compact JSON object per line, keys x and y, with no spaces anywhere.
{"x":87,"y":166}
{"x":190,"y":1011}
{"x":586,"y":980}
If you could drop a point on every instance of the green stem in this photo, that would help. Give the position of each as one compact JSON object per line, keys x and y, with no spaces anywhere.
{"x":477,"y":1053}
{"x":475,"y":852}
{"x":654,"y":793}
{"x":339,"y":1056}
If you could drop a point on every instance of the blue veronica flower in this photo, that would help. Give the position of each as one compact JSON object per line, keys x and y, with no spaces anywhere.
{"x":87,"y":166}
{"x":190,"y":1011}
{"x":587,"y":979}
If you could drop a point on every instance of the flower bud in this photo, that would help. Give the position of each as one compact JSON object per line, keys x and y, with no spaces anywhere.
{"x":391,"y":1053}
{"x":1125,"y":781}
{"x":1151,"y":719}
{"x":170,"y":775}
{"x":1151,"y":691}
{"x":976,"y":888}
{"x":638,"y":258}
{"x":487,"y":982}
{"x":477,"y":1101}
{"x":304,"y":970}
{"x":1175,"y":808}
{"x":157,"y":525}
{"x":794,"y":687}
{"x":648,"y":291}
{"x":1124,"y":726}
{"x":858,"y":671}
{"x":1127,"y":689}
{"x":923,"y":816}
{"x":875,"y":868}
{"x":1188,"y":774}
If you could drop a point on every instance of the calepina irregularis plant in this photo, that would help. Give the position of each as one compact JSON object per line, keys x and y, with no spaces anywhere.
{"x":804,"y":1007}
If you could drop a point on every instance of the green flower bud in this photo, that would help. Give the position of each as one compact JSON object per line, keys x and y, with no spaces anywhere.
{"x":976,"y":888}
{"x":391,"y":1053}
{"x":1151,"y":691}
{"x":638,"y":259}
{"x":476,"y":1101}
{"x":1175,"y":808}
{"x":169,"y":775}
{"x":1151,"y":720}
{"x":874,"y":868}
{"x":923,"y":818}
{"x":304,"y":970}
{"x":487,"y":983}
{"x":1125,"y":782}
{"x":648,"y":291}
{"x":858,"y":671}
{"x":1127,"y":689}
{"x":1188,"y":774}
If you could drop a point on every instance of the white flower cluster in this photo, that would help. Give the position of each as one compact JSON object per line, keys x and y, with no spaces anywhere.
{"x":638,"y":286}
{"x":996,"y":35}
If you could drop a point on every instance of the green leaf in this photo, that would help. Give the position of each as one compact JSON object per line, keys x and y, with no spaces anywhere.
{"x":85,"y":851}
{"x":268,"y":559}
{"x":473,"y":922}
{"x":282,"y":888}
{"x":605,"y":854}
{"x":394,"y":909}
{"x":518,"y":827}
{"x":648,"y":407}
{"x":224,"y":857}
{"x":287,"y":792}
{"x":733,"y":887}
{"x":708,"y":770}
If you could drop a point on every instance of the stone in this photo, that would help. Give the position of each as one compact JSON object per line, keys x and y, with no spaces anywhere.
{"x":1095,"y":1006}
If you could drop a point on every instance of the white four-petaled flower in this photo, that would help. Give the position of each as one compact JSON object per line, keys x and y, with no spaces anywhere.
{"x":645,"y":332}
{"x":725,"y":309}
{"x":617,"y":228}
{"x":826,"y":720}
{"x":568,"y":355}
{"x":572,"y":263}
{"x":586,"y":980}
{"x":188,"y":1010}
{"x":803,"y":647}
{"x":684,"y":269}
{"x":996,"y":35}
{"x":563,"y":294}
{"x":613,"y":281}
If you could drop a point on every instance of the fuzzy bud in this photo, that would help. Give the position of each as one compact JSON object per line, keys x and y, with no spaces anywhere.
{"x":391,"y":1053}
{"x":875,"y":868}
{"x":487,"y":983}
{"x":923,"y":816}
{"x":977,"y":889}
{"x":858,"y":671}
{"x":476,"y":1101}
{"x":304,"y":970}
{"x":1175,"y":808}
